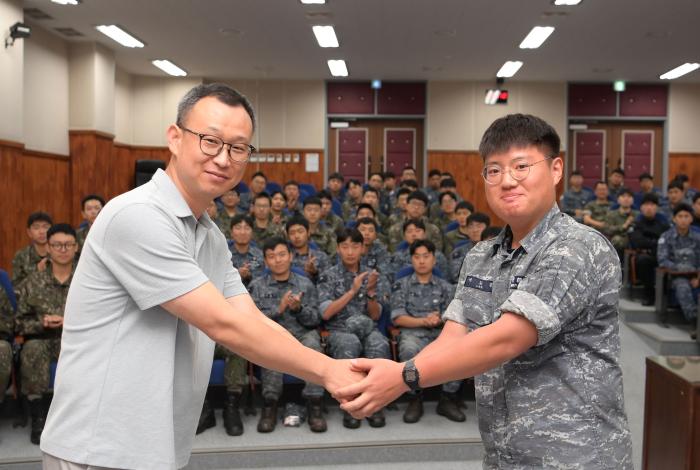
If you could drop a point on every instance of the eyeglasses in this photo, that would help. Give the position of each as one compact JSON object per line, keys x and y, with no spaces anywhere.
{"x":211,"y":146}
{"x":493,"y":174}
{"x":62,"y":246}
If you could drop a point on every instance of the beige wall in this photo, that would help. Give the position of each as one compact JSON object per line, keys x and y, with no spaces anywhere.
{"x":11,"y":75}
{"x":457,"y":116}
{"x":123,"y":131}
{"x":46,"y":93}
{"x":684,"y":117}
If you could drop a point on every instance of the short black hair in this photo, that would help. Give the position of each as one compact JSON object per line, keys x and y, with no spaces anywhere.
{"x":408,"y":167}
{"x":412,"y":183}
{"x":364,"y":205}
{"x":415,"y":222}
{"x":619,"y":171}
{"x":238,"y":218}
{"x":420,"y":195}
{"x":336,"y":176}
{"x":646,"y":176}
{"x":625,"y":191}
{"x":479,"y":217}
{"x":377,"y":173}
{"x":389,"y":174}
{"x":465,"y":205}
{"x":402,"y":191}
{"x":599,"y":182}
{"x":696,"y":197}
{"x":296,"y":220}
{"x":290,"y":183}
{"x":682,"y":207}
{"x":447,"y":174}
{"x":650,"y":197}
{"x":39,"y":217}
{"x":263,"y":195}
{"x":447,"y":193}
{"x":312,"y":200}
{"x":272,"y":243}
{"x":682,"y":177}
{"x":434,"y":172}
{"x":351,"y":234}
{"x":92,"y":197}
{"x":367,"y":221}
{"x":677,"y":184}
{"x":352,"y":182}
{"x":448,"y":183}
{"x":323,"y":194}
{"x":575,"y":173}
{"x":370,"y":189}
{"x":490,"y":232}
{"x":258,"y":173}
{"x":275,"y":193}
{"x":430,"y":246}
{"x":519,"y":130}
{"x":221,"y":92}
{"x":235,"y":189}
{"x":61,"y":228}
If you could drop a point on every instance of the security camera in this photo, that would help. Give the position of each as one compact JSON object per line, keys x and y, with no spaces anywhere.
{"x":18,"y":31}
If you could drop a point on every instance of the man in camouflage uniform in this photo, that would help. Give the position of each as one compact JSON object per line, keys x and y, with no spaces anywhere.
{"x":432,"y":190}
{"x":349,"y":303}
{"x":353,"y":197}
{"x":417,"y":203}
{"x":42,"y":300}
{"x":375,"y":254}
{"x":328,"y":217}
{"x":291,"y":191}
{"x":292,"y":301}
{"x":417,"y":304}
{"x":398,"y":216}
{"x":263,"y":227}
{"x":323,"y":236}
{"x":311,"y":260}
{"x":445,"y":215}
{"x":7,"y":329}
{"x":463,"y":210}
{"x":278,"y":207}
{"x":230,"y":200}
{"x":32,"y":257}
{"x":257,"y":186}
{"x":415,"y":230}
{"x":616,"y":183}
{"x":594,"y":212}
{"x":534,"y":318}
{"x":248,"y":259}
{"x":679,"y":250}
{"x":576,"y":197}
{"x":91,"y":206}
{"x":619,"y":222}
{"x":372,"y":197}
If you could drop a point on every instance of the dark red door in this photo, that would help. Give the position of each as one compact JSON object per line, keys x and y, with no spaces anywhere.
{"x":637,"y":156}
{"x":400,"y":149}
{"x":352,"y":153}
{"x":589,"y":155}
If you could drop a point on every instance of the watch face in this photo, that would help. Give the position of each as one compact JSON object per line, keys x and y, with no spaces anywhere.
{"x":410,"y":375}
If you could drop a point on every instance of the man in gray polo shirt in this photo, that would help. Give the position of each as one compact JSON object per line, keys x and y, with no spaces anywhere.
{"x":154,"y":289}
{"x":534,"y":318}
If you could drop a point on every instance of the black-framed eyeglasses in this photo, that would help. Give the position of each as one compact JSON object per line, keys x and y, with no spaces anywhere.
{"x":493,"y":174}
{"x":62,"y":246}
{"x":211,"y":146}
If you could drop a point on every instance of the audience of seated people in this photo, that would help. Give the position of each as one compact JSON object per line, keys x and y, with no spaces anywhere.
{"x":327,"y":263}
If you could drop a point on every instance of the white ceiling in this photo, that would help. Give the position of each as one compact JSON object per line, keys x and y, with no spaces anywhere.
{"x":599,"y":40}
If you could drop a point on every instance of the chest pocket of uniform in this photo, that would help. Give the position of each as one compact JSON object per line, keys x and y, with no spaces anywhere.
{"x":477,"y":303}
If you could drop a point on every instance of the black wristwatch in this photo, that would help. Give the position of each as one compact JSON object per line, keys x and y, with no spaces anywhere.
{"x":411,"y":377}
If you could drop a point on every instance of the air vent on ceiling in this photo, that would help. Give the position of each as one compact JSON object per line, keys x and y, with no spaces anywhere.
{"x":36,"y":14}
{"x":69,"y":32}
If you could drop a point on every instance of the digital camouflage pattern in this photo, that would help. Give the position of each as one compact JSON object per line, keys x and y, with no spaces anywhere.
{"x":681,"y":253}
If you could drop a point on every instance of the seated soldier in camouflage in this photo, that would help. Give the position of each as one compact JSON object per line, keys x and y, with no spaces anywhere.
{"x":417,"y":304}
{"x":372,"y":197}
{"x":291,"y":300}
{"x":398,"y":216}
{"x":415,"y":230}
{"x":477,"y":224}
{"x":7,"y":330}
{"x":213,"y":212}
{"x":323,"y":236}
{"x":367,"y":211}
{"x":291,"y":191}
{"x":374,"y":254}
{"x":257,"y":185}
{"x":447,"y":185}
{"x":463,"y":210}
{"x":32,"y":258}
{"x":278,"y":203}
{"x":247,"y":258}
{"x":91,"y":205}
{"x":595,"y":211}
{"x":353,"y":197}
{"x":230,"y":207}
{"x":263,"y":226}
{"x":619,"y":222}
{"x":328,"y":217}
{"x":447,"y":202}
{"x":42,"y":300}
{"x":312,"y":260}
{"x":349,"y":304}
{"x":417,"y":204}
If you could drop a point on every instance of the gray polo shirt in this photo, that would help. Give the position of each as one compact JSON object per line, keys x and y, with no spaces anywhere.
{"x":131,"y":377}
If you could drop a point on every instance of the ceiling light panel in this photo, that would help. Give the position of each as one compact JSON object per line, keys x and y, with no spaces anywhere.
{"x":325,"y":36}
{"x":168,"y":67}
{"x":313,"y":2}
{"x":338,"y":68}
{"x":117,"y":34}
{"x":509,"y":69}
{"x":680,"y":71}
{"x":536,"y":37}
{"x":568,"y":3}
{"x":66,"y":2}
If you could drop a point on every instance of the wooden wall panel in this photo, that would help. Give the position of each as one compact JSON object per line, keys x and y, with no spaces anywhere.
{"x":283,"y":172}
{"x":91,"y":166}
{"x":124,"y":159}
{"x":688,"y":163}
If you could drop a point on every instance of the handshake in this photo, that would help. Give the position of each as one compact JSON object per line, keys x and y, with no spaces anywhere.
{"x":364,"y":386}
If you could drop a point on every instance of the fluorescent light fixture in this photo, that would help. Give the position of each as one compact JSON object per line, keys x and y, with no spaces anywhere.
{"x":66,"y":2}
{"x":313,"y":2}
{"x":536,"y":37}
{"x":509,"y":69}
{"x":566,"y":2}
{"x":325,"y":35}
{"x":115,"y":33}
{"x":339,"y":124}
{"x":680,"y":71}
{"x":619,"y":86}
{"x":168,"y":67}
{"x":338,"y":68}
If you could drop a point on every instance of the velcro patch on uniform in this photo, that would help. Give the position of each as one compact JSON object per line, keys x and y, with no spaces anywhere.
{"x":516,"y":281}
{"x":480,"y":284}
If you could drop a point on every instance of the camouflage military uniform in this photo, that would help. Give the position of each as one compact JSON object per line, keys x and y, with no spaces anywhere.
{"x":681,"y":254}
{"x":325,"y":238}
{"x":597,"y":211}
{"x":457,"y":258}
{"x":23,"y":264}
{"x":411,"y":297}
{"x":441,"y":221}
{"x":322,"y":261}
{"x":349,"y":208}
{"x":394,"y":220}
{"x":267,"y":294}
{"x":254,"y":258}
{"x":432,"y":233}
{"x":452,"y":238}
{"x":333,"y":222}
{"x":614,"y":228}
{"x":402,"y":258}
{"x":7,"y":329}
{"x":377,"y":257}
{"x":352,"y":332}
{"x":262,"y":234}
{"x":572,"y":200}
{"x":81,"y":234}
{"x":559,"y":404}
{"x":42,"y":294}
{"x":223,"y":221}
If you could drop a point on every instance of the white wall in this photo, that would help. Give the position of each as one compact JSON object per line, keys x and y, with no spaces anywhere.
{"x":104,"y":70}
{"x":11,"y":75}
{"x":46,"y":93}
{"x":123,"y":131}
{"x":684,"y":117}
{"x":457,"y":116}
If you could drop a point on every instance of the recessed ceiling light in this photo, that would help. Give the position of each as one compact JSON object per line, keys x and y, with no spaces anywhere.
{"x":313,"y":2}
{"x":338,"y":68}
{"x":325,"y":35}
{"x":509,"y":69}
{"x":680,"y":71}
{"x":536,"y":37}
{"x":168,"y":67}
{"x":66,"y":2}
{"x":566,"y":2}
{"x":116,"y":33}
